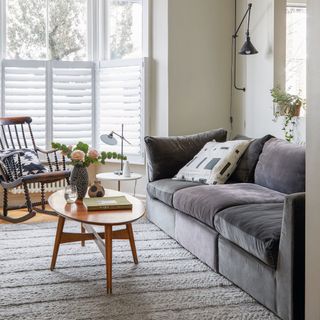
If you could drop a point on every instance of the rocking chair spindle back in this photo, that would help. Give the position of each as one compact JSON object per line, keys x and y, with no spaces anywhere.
{"x":16,"y":137}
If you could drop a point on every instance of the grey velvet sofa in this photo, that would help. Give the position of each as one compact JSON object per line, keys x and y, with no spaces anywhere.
{"x":250,"y":230}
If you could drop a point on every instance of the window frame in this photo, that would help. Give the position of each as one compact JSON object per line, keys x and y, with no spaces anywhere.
{"x":3,"y":23}
{"x":97,"y":52}
{"x":291,"y":5}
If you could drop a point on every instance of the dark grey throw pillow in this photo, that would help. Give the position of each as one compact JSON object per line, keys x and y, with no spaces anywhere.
{"x":167,"y":155}
{"x":244,"y":172}
{"x":30,"y":162}
{"x":281,"y":166}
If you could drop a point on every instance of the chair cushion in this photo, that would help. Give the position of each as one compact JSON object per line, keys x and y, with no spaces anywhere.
{"x":167,"y":155}
{"x":203,"y":202}
{"x":247,"y":163}
{"x":30,"y":162}
{"x":255,"y":228}
{"x":164,"y":189}
{"x":281,"y":166}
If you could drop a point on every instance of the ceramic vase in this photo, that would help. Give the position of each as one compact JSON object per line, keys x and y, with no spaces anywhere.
{"x":80,"y":178}
{"x":96,"y":190}
{"x":126,"y":170}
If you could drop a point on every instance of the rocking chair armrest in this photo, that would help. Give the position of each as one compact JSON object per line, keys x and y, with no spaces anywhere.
{"x":13,"y":184}
{"x":46,"y":151}
{"x":10,"y":154}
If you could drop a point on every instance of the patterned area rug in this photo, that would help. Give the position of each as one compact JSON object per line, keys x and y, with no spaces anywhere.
{"x":168,"y":283}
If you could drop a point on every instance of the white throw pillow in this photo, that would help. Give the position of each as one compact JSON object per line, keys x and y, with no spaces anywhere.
{"x":214,"y":163}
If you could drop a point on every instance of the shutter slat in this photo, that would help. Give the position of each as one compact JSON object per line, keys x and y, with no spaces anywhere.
{"x":121,"y":103}
{"x":25,"y":95}
{"x":120,"y":99}
{"x":72,"y":105}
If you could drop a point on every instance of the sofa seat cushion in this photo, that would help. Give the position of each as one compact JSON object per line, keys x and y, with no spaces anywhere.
{"x":203,"y":202}
{"x":255,"y":228}
{"x":164,"y":189}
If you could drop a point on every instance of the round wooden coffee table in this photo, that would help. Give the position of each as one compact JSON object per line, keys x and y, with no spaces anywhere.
{"x":78,"y":212}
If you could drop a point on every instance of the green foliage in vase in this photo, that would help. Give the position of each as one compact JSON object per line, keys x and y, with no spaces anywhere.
{"x":82,"y":155}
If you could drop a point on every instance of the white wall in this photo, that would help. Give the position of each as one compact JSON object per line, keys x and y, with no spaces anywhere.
{"x":159,"y":100}
{"x":238,"y":111}
{"x":263,"y":71}
{"x":313,"y":164}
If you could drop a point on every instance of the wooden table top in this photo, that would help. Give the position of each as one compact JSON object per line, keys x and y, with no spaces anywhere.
{"x":77,"y":211}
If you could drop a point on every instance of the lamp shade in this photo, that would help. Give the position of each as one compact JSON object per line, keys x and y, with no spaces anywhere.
{"x":248,"y":48}
{"x":108,"y":139}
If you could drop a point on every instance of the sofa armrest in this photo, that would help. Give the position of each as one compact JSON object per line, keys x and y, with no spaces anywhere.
{"x":291,"y":259}
{"x":167,"y":155}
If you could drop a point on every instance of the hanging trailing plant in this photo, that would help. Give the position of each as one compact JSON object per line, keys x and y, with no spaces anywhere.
{"x":288,"y":106}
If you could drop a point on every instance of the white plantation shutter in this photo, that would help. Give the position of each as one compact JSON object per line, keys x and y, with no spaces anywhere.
{"x":24,"y":94}
{"x":121,"y":94}
{"x":68,"y":103}
{"x":72,"y":101}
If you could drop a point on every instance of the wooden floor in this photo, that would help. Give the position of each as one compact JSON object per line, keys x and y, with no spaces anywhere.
{"x":38,"y":218}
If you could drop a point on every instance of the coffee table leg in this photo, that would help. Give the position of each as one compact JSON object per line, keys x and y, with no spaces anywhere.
{"x":57,"y":242}
{"x":132,"y":243}
{"x":83,"y":230}
{"x":108,"y":245}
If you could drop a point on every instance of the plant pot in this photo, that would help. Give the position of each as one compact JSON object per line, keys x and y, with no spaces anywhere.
{"x":285,"y":110}
{"x":80,"y":178}
{"x":297,"y":110}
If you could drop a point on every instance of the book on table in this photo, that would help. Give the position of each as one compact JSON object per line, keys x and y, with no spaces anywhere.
{"x":107,"y":203}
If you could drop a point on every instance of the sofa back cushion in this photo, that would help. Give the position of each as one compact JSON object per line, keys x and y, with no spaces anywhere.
{"x":281,"y":166}
{"x":247,"y":163}
{"x":167,"y":155}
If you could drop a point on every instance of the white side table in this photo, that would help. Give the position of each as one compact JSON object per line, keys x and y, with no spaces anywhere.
{"x":110,"y":176}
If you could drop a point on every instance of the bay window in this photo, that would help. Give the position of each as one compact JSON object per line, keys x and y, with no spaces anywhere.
{"x":77,"y":68}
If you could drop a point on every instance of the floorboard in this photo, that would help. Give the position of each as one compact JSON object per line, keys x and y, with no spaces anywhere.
{"x":38,"y":218}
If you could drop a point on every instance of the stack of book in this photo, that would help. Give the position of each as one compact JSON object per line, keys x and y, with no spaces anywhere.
{"x":107,"y":203}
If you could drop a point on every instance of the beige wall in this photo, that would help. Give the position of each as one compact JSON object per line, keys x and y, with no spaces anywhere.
{"x":199,"y":64}
{"x":313,"y":164}
{"x":190,"y":68}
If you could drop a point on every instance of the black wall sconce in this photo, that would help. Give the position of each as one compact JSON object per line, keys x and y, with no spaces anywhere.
{"x":246,"y":49}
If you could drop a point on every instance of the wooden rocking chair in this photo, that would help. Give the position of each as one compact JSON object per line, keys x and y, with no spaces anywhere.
{"x":16,"y":138}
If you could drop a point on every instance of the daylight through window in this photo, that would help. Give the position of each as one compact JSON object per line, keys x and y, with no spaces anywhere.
{"x":77,"y":81}
{"x":296,"y":50}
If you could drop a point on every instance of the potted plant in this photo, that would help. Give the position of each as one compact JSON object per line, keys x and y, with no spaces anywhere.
{"x":288,"y":106}
{"x":81,"y":156}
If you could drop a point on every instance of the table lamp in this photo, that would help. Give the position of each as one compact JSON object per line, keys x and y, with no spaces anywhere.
{"x":112,"y":141}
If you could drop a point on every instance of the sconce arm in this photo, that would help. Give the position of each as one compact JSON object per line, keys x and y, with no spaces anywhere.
{"x":244,"y":17}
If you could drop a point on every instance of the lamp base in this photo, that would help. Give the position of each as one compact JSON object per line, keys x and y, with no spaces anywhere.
{"x":118,"y":172}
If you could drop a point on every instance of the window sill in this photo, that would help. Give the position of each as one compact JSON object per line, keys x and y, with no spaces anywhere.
{"x":133,"y":161}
